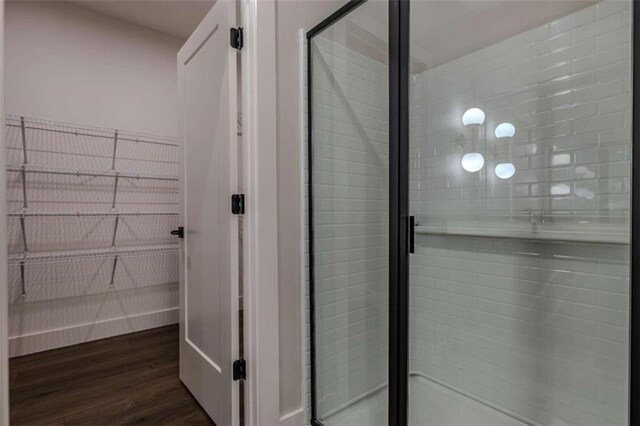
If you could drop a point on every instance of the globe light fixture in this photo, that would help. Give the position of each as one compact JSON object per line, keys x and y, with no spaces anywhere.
{"x":505,"y":130}
{"x":505,"y":170}
{"x":473,"y":116}
{"x":472,"y":162}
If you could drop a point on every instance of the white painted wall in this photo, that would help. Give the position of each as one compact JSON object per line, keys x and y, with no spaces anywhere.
{"x":69,"y":64}
{"x":291,"y":16}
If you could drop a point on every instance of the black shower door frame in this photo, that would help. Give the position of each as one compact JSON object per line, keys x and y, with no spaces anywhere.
{"x":399,"y":225}
{"x":398,"y":205}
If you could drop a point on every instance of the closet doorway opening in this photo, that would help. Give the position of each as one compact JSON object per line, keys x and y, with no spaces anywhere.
{"x":119,"y":290}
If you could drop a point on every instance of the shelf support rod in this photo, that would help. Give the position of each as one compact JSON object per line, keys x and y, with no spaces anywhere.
{"x":115,"y":147}
{"x":113,"y":271}
{"x":24,"y":141}
{"x":24,"y":234}
{"x":115,"y":231}
{"x":115,"y":191}
{"x":23,"y":172}
{"x":23,"y":289}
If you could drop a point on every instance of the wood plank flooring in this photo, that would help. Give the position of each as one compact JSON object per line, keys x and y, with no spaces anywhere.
{"x":124,"y":380}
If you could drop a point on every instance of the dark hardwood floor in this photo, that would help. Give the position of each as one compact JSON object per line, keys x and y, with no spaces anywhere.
{"x":125,"y":380}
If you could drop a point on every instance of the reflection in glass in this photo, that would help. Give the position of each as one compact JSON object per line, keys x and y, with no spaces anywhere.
{"x":519,"y":285}
{"x":472,"y":162}
{"x":350,"y":156}
{"x":505,"y":170}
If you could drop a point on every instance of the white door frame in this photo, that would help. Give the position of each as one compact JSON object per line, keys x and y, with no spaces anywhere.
{"x":260,"y":227}
{"x":4,"y":285}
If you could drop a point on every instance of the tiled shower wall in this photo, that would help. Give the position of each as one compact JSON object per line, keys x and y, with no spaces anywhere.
{"x":350,"y":172}
{"x":566,"y":88}
{"x":534,"y":328}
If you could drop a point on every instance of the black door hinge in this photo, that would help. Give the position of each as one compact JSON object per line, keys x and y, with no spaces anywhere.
{"x":239,"y":369}
{"x":237,"y":40}
{"x":179,"y":232}
{"x":237,"y":204}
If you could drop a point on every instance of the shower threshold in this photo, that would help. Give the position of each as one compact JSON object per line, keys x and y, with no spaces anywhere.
{"x":431,"y":404}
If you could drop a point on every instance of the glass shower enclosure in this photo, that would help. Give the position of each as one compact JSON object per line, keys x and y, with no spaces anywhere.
{"x":470,"y":187}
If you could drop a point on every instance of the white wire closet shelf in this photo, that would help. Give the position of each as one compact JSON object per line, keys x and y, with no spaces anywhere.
{"x":30,"y":123}
{"x":29,"y":168}
{"x":89,"y":214}
{"x":61,"y":231}
{"x":79,"y":255}
{"x":45,"y":156}
{"x":46,"y":146}
{"x":114,"y":254}
{"x":64,"y":179}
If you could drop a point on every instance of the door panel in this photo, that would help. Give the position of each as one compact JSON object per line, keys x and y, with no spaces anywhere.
{"x":349,"y":79}
{"x":520,"y":141}
{"x":509,"y":151}
{"x":209,"y":256}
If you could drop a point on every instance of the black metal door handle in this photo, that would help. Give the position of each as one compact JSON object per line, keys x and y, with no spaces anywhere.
{"x":412,"y":234}
{"x":179,"y":232}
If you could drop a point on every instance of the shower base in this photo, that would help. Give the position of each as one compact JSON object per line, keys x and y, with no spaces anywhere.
{"x":431,"y":404}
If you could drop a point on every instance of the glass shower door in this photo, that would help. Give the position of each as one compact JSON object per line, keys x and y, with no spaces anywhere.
{"x":349,"y":202}
{"x":520,"y":150}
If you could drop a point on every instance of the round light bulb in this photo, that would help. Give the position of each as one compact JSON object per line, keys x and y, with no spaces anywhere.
{"x":505,"y":170}
{"x":473,"y":116}
{"x":505,"y":130}
{"x":472,"y":162}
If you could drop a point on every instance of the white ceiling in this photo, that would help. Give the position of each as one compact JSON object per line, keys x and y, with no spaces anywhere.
{"x":449,"y":29}
{"x":443,"y":30}
{"x":177,"y":18}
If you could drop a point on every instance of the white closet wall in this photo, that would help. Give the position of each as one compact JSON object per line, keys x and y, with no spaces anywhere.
{"x":71,"y":65}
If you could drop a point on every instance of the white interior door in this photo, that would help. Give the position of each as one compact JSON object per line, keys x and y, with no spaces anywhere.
{"x":209,"y":255}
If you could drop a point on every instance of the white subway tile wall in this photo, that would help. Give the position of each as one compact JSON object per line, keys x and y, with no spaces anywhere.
{"x":567,"y":94}
{"x":350,"y":207}
{"x":535,"y":328}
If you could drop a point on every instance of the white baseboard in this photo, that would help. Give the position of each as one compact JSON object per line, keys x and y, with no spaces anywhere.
{"x":295,"y":417}
{"x":57,"y":338}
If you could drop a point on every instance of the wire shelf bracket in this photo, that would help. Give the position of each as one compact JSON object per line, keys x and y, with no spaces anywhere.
{"x":115,"y":148}
{"x":113,"y":270}
{"x":23,"y":289}
{"x":105,"y":253}
{"x":24,"y":141}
